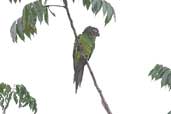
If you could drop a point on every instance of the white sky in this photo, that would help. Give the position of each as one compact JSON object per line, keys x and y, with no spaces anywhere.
{"x":125,"y":53}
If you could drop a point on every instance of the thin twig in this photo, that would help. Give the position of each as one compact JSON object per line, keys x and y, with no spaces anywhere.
{"x":104,"y":103}
{"x":51,"y":12}
{"x":48,"y":6}
{"x":54,"y":6}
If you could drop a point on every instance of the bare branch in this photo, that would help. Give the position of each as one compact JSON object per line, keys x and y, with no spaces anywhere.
{"x":70,"y":19}
{"x":104,"y":103}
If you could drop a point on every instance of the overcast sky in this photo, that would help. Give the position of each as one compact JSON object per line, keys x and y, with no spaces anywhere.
{"x":125,"y":53}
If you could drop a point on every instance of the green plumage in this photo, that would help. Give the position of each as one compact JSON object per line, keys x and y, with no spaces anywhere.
{"x":84,"y":46}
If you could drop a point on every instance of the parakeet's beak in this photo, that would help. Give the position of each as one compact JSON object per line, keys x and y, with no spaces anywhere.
{"x":98,"y":34}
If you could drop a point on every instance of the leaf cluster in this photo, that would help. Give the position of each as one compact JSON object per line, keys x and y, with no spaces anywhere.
{"x":22,"y":98}
{"x":97,"y":5}
{"x":20,"y":95}
{"x":15,"y":1}
{"x":163,"y":73}
{"x":26,"y":25}
{"x":5,"y":95}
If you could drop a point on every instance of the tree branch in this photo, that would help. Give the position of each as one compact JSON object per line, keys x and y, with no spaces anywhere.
{"x":70,"y":19}
{"x":104,"y":103}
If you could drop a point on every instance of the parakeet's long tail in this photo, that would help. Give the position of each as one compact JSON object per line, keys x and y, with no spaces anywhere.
{"x":78,"y":75}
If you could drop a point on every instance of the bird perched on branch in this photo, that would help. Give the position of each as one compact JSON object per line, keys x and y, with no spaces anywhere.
{"x":83,"y":49}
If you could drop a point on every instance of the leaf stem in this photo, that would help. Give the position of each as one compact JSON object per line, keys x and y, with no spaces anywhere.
{"x":51,"y":12}
{"x":104,"y":103}
{"x":54,"y":6}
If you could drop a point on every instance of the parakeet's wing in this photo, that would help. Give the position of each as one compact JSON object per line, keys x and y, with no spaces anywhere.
{"x":92,"y":49}
{"x":79,"y":63}
{"x":87,"y":43}
{"x":85,"y":46}
{"x":74,"y":54}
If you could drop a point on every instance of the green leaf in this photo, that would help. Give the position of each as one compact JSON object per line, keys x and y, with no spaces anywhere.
{"x":104,"y":8}
{"x":39,"y":10}
{"x":169,"y":80}
{"x":154,"y":71}
{"x":96,"y":6}
{"x":29,"y":20}
{"x":45,"y":2}
{"x":25,"y":17}
{"x":169,"y":112}
{"x":86,"y":3}
{"x":46,"y":16}
{"x":2,"y":103}
{"x":33,"y":16}
{"x":15,"y":98}
{"x":161,"y":72}
{"x":107,"y":8}
{"x":164,"y":80}
{"x":19,"y":29}
{"x":157,"y":75}
{"x":33,"y":104}
{"x":8,"y":99}
{"x":40,"y":1}
{"x":14,"y":1}
{"x":13,"y":32}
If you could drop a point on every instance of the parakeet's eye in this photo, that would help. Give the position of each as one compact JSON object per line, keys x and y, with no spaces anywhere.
{"x":95,"y":32}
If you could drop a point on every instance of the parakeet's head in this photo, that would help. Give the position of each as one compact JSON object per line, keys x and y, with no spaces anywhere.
{"x":92,"y":31}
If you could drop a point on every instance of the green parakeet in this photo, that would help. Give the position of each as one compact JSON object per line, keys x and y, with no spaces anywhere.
{"x":85,"y":47}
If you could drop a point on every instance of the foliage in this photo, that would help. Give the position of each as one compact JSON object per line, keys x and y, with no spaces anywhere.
{"x":22,"y":98}
{"x":5,"y":96}
{"x":15,"y":1}
{"x":163,"y":73}
{"x":26,"y":24}
{"x":20,"y":95}
{"x":97,"y":5}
